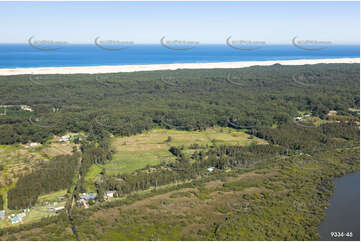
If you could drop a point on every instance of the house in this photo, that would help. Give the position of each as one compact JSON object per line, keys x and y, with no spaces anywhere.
{"x":2,"y":214}
{"x":18,"y":218}
{"x":210,"y":169}
{"x":87,"y":197}
{"x":26,"y":108}
{"x":64,"y":138}
{"x":21,"y":215}
{"x":110,"y":193}
{"x":15,"y":220}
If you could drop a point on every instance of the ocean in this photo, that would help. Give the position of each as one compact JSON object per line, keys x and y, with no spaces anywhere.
{"x":24,"y":55}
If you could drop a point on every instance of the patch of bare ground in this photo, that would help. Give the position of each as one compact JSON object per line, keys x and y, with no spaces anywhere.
{"x":22,"y":152}
{"x":58,"y":149}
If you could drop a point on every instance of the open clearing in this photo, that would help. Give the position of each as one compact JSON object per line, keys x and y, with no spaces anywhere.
{"x":17,"y":159}
{"x":152,"y":147}
{"x":198,"y":208}
{"x":39,"y":210}
{"x":20,"y":159}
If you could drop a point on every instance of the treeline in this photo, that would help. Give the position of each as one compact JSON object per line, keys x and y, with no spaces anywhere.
{"x":94,"y":151}
{"x":286,"y":140}
{"x":220,"y":158}
{"x":1,"y":203}
{"x":49,"y":177}
{"x":128,"y":103}
{"x":296,"y":137}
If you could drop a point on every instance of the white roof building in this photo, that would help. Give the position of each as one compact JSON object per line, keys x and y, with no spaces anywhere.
{"x":21,"y":215}
{"x":26,"y":108}
{"x":109,"y":193}
{"x":58,"y":208}
{"x":64,"y":138}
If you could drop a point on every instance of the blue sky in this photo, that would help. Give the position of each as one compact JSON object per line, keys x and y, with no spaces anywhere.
{"x":206,"y":22}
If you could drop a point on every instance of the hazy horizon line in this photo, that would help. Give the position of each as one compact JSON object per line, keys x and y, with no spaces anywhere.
{"x":90,"y":43}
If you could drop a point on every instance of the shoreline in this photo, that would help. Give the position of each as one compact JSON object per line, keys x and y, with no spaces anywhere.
{"x":159,"y":67}
{"x":336,"y":202}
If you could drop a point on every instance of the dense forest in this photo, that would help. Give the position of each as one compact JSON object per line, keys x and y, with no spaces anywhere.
{"x":127,"y":103}
{"x":298,"y":163}
{"x":47,"y":177}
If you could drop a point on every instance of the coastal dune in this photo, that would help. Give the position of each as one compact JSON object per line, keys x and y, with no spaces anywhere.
{"x":154,"y":67}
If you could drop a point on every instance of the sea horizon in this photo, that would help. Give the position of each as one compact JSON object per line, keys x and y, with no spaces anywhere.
{"x":17,"y":55}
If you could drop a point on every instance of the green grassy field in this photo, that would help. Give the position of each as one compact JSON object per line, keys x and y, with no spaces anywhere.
{"x":91,"y":176}
{"x":19,"y":159}
{"x":52,"y":197}
{"x":150,"y":148}
{"x":40,"y":211}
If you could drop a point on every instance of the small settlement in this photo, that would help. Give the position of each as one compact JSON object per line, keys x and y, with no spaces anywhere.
{"x":64,"y":138}
{"x":71,"y":138}
{"x":303,"y":117}
{"x":84,"y":198}
{"x":52,"y":207}
{"x":17,"y":218}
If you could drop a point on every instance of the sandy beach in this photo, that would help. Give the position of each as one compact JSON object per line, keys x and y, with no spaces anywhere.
{"x":154,"y":67}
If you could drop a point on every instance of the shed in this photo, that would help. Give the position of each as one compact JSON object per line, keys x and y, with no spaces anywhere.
{"x":59,"y":209}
